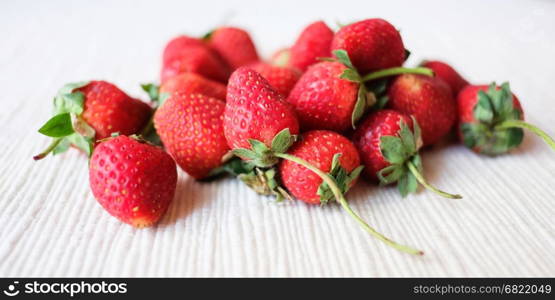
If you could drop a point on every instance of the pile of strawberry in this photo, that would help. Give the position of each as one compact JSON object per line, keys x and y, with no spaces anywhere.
{"x":302,"y":125}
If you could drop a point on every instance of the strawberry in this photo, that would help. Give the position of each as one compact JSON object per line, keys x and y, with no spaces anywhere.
{"x":234,"y":45}
{"x":133,"y":180}
{"x":185,"y":54}
{"x":313,"y":43}
{"x":191,"y":83}
{"x":372,"y":44}
{"x":322,"y":99}
{"x":328,"y":151}
{"x":282,"y":79}
{"x":444,"y":71}
{"x":388,"y":142}
{"x":255,"y":110}
{"x":260,"y":127}
{"x":190,"y":126}
{"x":85,"y":112}
{"x":197,"y":60}
{"x":333,"y":95}
{"x":429,"y":100}
{"x":491,"y":119}
{"x":175,"y":47}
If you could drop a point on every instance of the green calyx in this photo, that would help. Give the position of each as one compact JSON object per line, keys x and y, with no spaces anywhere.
{"x":342,"y":178}
{"x":402,"y":153}
{"x":67,"y":127}
{"x":493,"y":108}
{"x":263,"y":156}
{"x":372,"y":87}
{"x":153,"y":91}
{"x":157,"y":99}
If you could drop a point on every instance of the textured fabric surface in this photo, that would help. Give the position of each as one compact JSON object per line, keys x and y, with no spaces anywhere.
{"x":50,"y":224}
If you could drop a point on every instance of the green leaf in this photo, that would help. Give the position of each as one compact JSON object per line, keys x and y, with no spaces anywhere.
{"x":69,"y":103}
{"x":392,"y":149}
{"x":81,"y":142}
{"x":391,"y":173}
{"x":245,"y":153}
{"x":407,"y":184}
{"x":417,"y":162}
{"x":343,"y":57}
{"x":409,"y":143}
{"x":258,"y":146}
{"x":58,"y":126}
{"x":350,"y":75}
{"x":360,"y":106}
{"x":68,"y":88}
{"x":152,"y":90}
{"x":417,"y":133}
{"x":483,"y":111}
{"x":282,"y":141}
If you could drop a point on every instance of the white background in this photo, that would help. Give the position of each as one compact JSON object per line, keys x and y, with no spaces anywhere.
{"x":50,"y":225}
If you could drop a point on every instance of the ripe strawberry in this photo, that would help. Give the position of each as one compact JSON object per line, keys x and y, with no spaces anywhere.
{"x":491,"y":119}
{"x":190,"y":126}
{"x":185,"y":54}
{"x":255,"y":110}
{"x":234,"y":45}
{"x":388,"y":142}
{"x":282,"y":79}
{"x":258,"y":125}
{"x":328,"y":151}
{"x":429,"y":100}
{"x":372,"y":44}
{"x":313,"y":43}
{"x":322,"y":99}
{"x":178,"y":45}
{"x":85,"y":112}
{"x":196,"y":60}
{"x":444,"y":71}
{"x":333,"y":95}
{"x":134,"y":181}
{"x":191,"y":83}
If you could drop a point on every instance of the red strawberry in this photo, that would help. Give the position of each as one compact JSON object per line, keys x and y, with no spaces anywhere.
{"x":388,"y":142}
{"x":90,"y":111}
{"x":234,"y":45}
{"x":177,"y":46}
{"x":429,"y":100}
{"x":198,"y":60}
{"x":491,"y":119}
{"x":372,"y":44}
{"x":282,"y":79}
{"x":319,"y":148}
{"x":134,"y":181}
{"x":255,"y":110}
{"x":190,"y":126}
{"x":322,"y":99}
{"x":444,"y":71}
{"x":191,"y":83}
{"x":333,"y":95}
{"x":313,"y":43}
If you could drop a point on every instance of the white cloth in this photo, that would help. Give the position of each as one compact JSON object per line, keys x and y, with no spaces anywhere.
{"x":50,"y":224}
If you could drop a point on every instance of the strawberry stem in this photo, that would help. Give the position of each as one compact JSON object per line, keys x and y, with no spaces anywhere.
{"x":49,"y":149}
{"x":397,"y":71}
{"x":341,"y":199}
{"x":423,"y":182}
{"x":521,"y":124}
